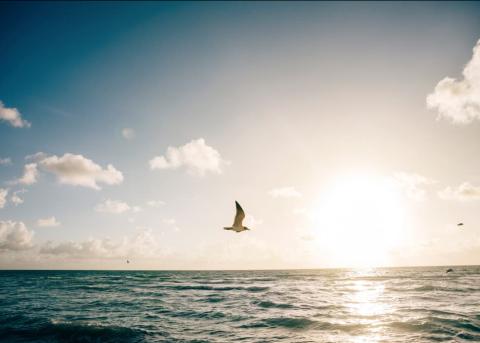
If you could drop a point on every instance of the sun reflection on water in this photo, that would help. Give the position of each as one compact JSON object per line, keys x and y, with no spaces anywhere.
{"x":366,"y":303}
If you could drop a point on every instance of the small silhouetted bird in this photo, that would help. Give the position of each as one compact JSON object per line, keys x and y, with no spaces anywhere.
{"x":237,"y":222}
{"x":460,"y":224}
{"x":128,"y":261}
{"x":449,"y":270}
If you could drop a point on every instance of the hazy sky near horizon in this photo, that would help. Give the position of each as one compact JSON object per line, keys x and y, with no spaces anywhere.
{"x":349,"y":132}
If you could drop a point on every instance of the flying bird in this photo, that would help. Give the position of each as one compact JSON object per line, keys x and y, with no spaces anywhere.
{"x":128,"y":261}
{"x":460,"y":224}
{"x":449,"y":270}
{"x":237,"y":222}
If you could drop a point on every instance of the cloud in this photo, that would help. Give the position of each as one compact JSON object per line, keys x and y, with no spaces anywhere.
{"x":412,"y":184}
{"x":112,"y":206}
{"x":128,"y":133}
{"x":77,"y":170}
{"x":15,"y":198}
{"x":48,"y":222}
{"x":142,"y":244}
{"x":12,"y":116}
{"x":155,"y":203}
{"x":30,"y":174}
{"x":36,"y":157}
{"x":463,"y":192}
{"x":196,"y":157}
{"x":459,"y":100}
{"x":171,"y":222}
{"x":3,"y":197}
{"x":285,"y":192}
{"x":5,"y":161}
{"x":15,"y":236}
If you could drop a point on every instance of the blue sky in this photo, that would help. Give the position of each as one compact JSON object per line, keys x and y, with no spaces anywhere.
{"x":290,"y":97}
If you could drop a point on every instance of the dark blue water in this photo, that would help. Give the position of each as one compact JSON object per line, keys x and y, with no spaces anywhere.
{"x":376,"y":305}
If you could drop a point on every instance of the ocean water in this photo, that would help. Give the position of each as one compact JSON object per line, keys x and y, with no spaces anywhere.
{"x":375,"y":305}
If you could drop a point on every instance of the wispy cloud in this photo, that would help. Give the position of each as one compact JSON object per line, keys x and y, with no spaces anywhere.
{"x":285,"y":192}
{"x":128,"y":133}
{"x":459,"y":100}
{"x":5,"y":161}
{"x":196,"y":157}
{"x":48,"y":222}
{"x":413,"y":184}
{"x":142,"y":244}
{"x":3,"y":197}
{"x":112,"y":206}
{"x":12,"y":116}
{"x":155,"y":203}
{"x":16,"y":199}
{"x":15,"y":236}
{"x":463,"y":192}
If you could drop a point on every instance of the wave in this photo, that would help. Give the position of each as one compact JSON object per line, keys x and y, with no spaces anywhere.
{"x":302,"y":323}
{"x":271,"y":304}
{"x":216,"y":288}
{"x":52,"y":331}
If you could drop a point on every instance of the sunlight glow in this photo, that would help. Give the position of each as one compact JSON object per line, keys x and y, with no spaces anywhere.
{"x":359,"y":220}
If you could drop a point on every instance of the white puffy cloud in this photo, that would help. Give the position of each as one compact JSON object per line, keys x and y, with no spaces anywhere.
{"x":12,"y":116}
{"x":196,"y":156}
{"x":459,"y":100}
{"x":15,"y":236}
{"x":112,"y":206}
{"x":80,"y":171}
{"x":3,"y":197}
{"x":30,"y":174}
{"x":463,"y":192}
{"x":412,"y":184}
{"x":128,"y":133}
{"x":48,"y":222}
{"x":155,"y":203}
{"x":16,"y":199}
{"x":285,"y":192}
{"x":5,"y":161}
{"x":142,"y":244}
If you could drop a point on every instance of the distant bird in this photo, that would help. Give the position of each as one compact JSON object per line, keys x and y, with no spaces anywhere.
{"x":449,"y":270}
{"x":460,"y":224}
{"x":237,"y":222}
{"x":128,"y":262}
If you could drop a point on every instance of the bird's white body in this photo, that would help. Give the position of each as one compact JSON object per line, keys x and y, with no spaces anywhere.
{"x":237,"y":222}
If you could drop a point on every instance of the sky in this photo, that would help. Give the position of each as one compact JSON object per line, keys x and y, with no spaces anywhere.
{"x":348,"y":131}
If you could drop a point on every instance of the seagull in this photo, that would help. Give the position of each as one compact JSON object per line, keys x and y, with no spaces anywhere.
{"x":237,"y":222}
{"x":460,"y":224}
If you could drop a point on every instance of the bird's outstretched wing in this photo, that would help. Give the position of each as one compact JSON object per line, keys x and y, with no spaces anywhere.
{"x":239,"y":216}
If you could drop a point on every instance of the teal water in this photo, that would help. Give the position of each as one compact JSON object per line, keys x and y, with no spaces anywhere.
{"x":377,"y":305}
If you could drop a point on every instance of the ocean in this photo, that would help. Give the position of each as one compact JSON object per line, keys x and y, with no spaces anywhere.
{"x":423,"y":304}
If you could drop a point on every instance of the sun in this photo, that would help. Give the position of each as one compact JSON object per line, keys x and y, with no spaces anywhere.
{"x":359,"y":219}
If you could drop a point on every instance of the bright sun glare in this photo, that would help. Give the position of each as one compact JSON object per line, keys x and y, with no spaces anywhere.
{"x":359,"y":220}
